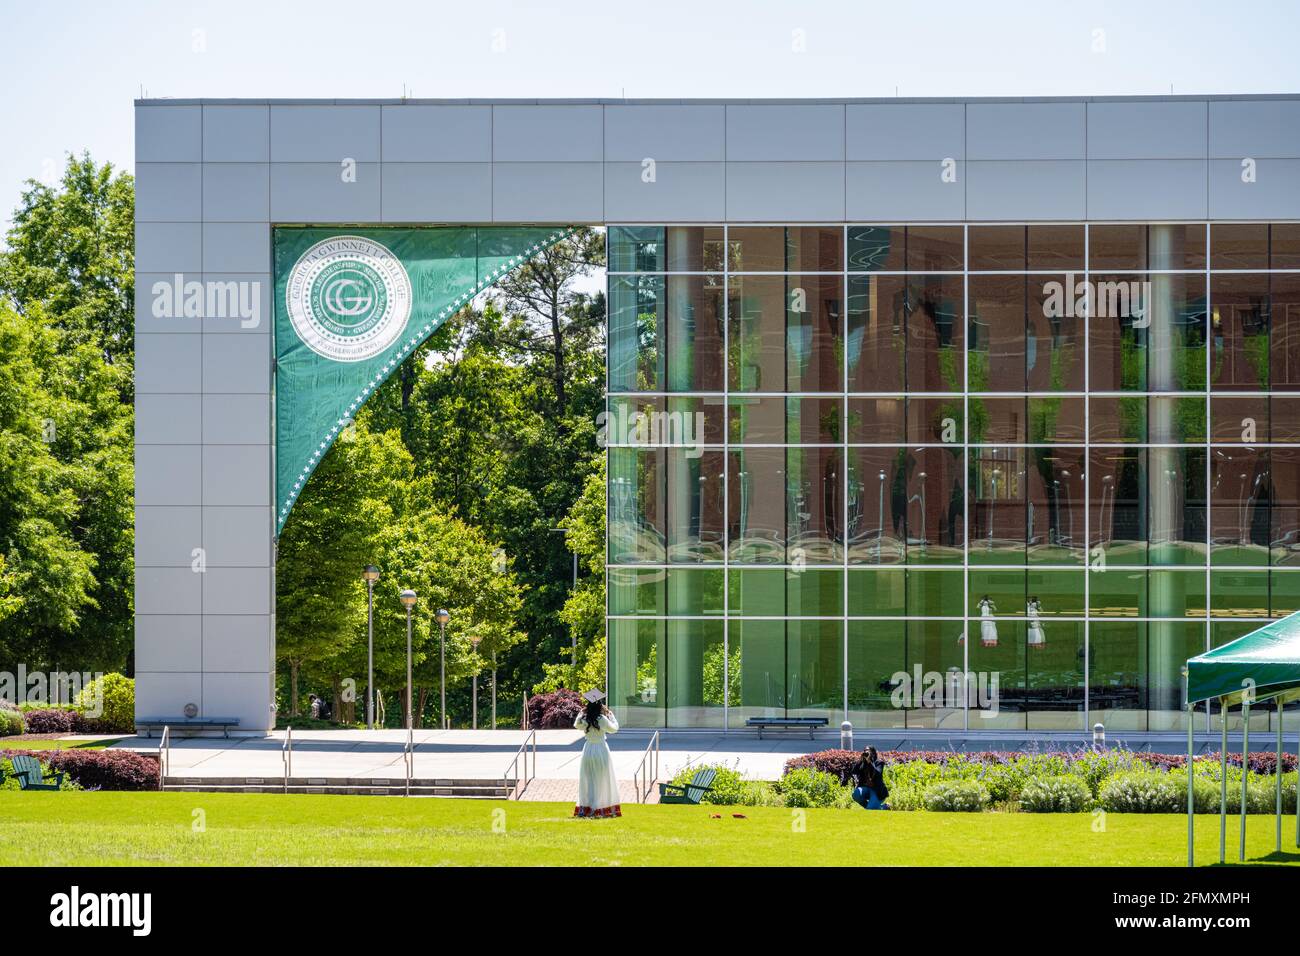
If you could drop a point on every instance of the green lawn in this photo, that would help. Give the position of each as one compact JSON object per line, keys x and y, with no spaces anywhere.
{"x":68,"y":829}
{"x":53,"y":743}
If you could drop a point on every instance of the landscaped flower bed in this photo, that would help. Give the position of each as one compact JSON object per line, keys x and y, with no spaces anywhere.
{"x":1059,"y":781}
{"x":94,"y":769}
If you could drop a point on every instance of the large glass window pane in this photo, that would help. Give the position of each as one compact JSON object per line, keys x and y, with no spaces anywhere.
{"x":694,"y":320}
{"x":1054,"y":686}
{"x":934,"y":655}
{"x":695,"y":249}
{"x":695,"y":591}
{"x":636,"y":672}
{"x":934,"y":592}
{"x":1284,"y":592}
{"x":877,"y":592}
{"x":635,"y":248}
{"x":935,"y":420}
{"x":1055,"y":334}
{"x":878,"y":249}
{"x":636,"y":591}
{"x":935,"y":333}
{"x":1117,"y":505}
{"x":1176,"y":420}
{"x":815,"y":592}
{"x":814,"y":249}
{"x":1284,"y":518}
{"x":756,"y":500}
{"x":877,"y":421}
{"x":1054,"y":593}
{"x":1056,"y":247}
{"x":1176,"y":499}
{"x":1239,"y":506}
{"x":756,"y":325}
{"x":1117,"y":667}
{"x":1236,"y":420}
{"x":1176,"y":593}
{"x":997,"y":500}
{"x":757,"y":592}
{"x":996,"y":356}
{"x":1284,"y":325}
{"x":1056,"y":420}
{"x":1241,"y":325}
{"x":877,"y":653}
{"x":696,"y":510}
{"x":998,"y":420}
{"x":1117,"y":247}
{"x":996,"y":592}
{"x":1239,"y":594}
{"x":814,"y":505}
{"x":996,"y":248}
{"x":636,"y":333}
{"x":1284,"y":245}
{"x":877,"y":505}
{"x":1116,"y":591}
{"x":997,"y":649}
{"x":757,"y":248}
{"x":935,"y":248}
{"x":757,"y":419}
{"x":1147,"y":333}
{"x":1170,"y":645}
{"x":1177,"y":245}
{"x":814,"y":333}
{"x":1120,"y":418}
{"x":877,"y":341}
{"x":1055,"y":509}
{"x":815,"y":664}
{"x":1118,"y":333}
{"x":1236,"y":245}
{"x":935,"y":506}
{"x":695,"y":673}
{"x":636,"y":505}
{"x":761,"y":672}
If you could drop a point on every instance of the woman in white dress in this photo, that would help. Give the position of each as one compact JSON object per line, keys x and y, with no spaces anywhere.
{"x":988,"y":627}
{"x":597,"y":784}
{"x":1036,"y":636}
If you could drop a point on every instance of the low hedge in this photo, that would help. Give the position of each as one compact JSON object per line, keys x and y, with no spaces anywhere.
{"x":53,"y":720}
{"x":11,"y":720}
{"x":99,"y":769}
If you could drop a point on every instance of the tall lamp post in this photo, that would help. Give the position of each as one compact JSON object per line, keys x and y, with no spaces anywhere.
{"x":475,"y":639}
{"x":407,"y":598}
{"x":442,"y":617}
{"x":370,"y":574}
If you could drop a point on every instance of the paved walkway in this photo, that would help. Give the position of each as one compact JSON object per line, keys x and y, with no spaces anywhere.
{"x":489,"y":754}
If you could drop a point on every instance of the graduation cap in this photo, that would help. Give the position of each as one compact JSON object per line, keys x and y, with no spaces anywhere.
{"x":592,"y":696}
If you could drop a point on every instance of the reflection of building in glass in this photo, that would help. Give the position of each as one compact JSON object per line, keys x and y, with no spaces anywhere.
{"x":917,"y":435}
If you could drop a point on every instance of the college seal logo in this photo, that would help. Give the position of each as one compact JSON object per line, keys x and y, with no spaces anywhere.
{"x":348,"y":298}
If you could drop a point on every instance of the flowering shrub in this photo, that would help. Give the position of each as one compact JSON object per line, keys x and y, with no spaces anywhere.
{"x":52,"y":720}
{"x":554,"y":711}
{"x":115,"y":696}
{"x":1059,"y":794}
{"x":956,"y":796}
{"x":11,"y":720}
{"x":99,"y":769}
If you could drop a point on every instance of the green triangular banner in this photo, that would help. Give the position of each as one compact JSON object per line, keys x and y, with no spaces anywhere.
{"x":352,"y":304}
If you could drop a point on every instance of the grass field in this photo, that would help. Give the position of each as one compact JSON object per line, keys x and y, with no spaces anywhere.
{"x":69,"y":829}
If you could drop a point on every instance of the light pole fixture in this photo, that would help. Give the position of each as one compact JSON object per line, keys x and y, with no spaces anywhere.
{"x":475,"y":639}
{"x":442,"y":617}
{"x":407,"y":598}
{"x":370,"y":574}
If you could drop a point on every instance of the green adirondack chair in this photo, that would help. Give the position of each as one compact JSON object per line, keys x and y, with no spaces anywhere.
{"x":28,"y":771}
{"x":692,"y":792}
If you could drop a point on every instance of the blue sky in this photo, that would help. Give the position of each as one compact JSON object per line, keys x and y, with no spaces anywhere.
{"x":73,"y":68}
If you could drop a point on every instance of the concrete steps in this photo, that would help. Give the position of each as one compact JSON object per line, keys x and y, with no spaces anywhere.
{"x":496,"y":789}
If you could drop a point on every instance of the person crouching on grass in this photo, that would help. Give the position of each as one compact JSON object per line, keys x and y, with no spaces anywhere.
{"x":597,"y":785}
{"x":868,"y":777}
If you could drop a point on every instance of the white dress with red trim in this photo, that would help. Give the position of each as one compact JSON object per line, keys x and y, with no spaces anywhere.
{"x":597,"y":784}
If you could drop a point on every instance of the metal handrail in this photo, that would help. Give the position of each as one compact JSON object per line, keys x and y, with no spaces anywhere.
{"x":164,"y":756}
{"x":514,"y":791}
{"x":286,"y":756}
{"x":408,"y":757}
{"x":642,"y":782}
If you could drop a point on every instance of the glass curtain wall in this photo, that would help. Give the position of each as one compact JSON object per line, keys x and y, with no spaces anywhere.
{"x":948,"y":477}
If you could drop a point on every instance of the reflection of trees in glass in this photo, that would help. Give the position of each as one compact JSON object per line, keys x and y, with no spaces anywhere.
{"x":713,"y":677}
{"x":647,"y":675}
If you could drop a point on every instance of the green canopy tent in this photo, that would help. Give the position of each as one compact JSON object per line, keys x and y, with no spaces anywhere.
{"x":1263,"y":665}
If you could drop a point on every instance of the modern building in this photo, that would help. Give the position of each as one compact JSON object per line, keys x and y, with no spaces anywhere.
{"x":1001,"y":395}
